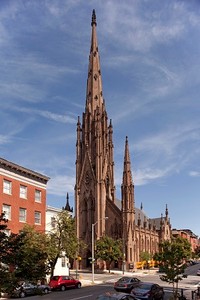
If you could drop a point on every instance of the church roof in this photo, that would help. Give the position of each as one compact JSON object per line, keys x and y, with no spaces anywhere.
{"x":141,"y":215}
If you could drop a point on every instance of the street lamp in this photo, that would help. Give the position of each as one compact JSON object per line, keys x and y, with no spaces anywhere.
{"x":93,"y":260}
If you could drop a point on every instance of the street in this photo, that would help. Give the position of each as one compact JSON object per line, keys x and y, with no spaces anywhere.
{"x":89,"y":292}
{"x":104,"y":283}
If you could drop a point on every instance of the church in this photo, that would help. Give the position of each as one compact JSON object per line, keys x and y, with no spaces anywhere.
{"x":96,"y":204}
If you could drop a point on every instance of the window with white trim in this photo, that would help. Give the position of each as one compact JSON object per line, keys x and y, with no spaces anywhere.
{"x":23,"y":191}
{"x":7,"y":187}
{"x":22,"y":214}
{"x":63,"y":262}
{"x":53,"y":222}
{"x":37,"y":217}
{"x":38,"y":196}
{"x":7,"y":211}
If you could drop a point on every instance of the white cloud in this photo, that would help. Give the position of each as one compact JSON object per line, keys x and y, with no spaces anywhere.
{"x":4,"y":139}
{"x":194,"y":174}
{"x":56,"y":117}
{"x":144,"y":176}
{"x":128,"y":26}
{"x":60,"y":185}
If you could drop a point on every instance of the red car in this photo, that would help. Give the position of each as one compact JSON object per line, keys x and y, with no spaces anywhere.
{"x":63,"y":282}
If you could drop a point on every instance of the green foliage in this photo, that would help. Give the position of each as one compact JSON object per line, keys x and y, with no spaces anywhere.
{"x":172,"y":260}
{"x":32,"y":254}
{"x":26,"y":254}
{"x":3,"y":222}
{"x":3,"y":239}
{"x":145,"y":256}
{"x":108,"y":249}
{"x":197,"y":252}
{"x":3,"y":236}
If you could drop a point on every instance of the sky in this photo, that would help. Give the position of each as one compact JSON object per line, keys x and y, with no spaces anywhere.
{"x":150,"y":65}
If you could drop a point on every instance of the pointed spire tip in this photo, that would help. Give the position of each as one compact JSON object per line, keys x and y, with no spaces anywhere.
{"x":94,"y":21}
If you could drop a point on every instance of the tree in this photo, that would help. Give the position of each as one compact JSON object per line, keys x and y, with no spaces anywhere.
{"x":3,"y":236}
{"x":172,"y":259}
{"x":3,"y":222}
{"x":145,"y":256}
{"x":197,"y":252}
{"x":108,"y":250}
{"x":62,"y":239}
{"x":4,"y":274}
{"x":26,"y":254}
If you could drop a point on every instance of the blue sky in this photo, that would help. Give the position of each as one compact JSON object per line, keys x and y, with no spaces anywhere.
{"x":150,"y":63}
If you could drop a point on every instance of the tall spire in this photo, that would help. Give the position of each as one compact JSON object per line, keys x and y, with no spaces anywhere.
{"x":94,"y":94}
{"x":67,"y":206}
{"x":94,"y":187}
{"x":94,"y":22}
{"x":127,"y":187}
{"x":127,"y":175}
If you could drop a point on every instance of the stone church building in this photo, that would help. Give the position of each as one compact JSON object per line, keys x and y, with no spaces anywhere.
{"x":95,"y":198}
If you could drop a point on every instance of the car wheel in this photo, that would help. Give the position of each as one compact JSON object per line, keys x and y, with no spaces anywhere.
{"x":62,"y":288}
{"x":46,"y":291}
{"x":22,"y":295}
{"x":78,"y":285}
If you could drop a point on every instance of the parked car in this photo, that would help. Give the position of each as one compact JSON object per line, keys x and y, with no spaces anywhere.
{"x":148,"y":290}
{"x":63,"y":282}
{"x":126,"y":284}
{"x":118,"y":296}
{"x":29,"y":289}
{"x":198,"y":272}
{"x":192,"y":262}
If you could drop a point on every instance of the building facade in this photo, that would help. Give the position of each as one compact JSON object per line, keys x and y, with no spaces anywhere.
{"x":95,"y":198}
{"x":192,"y":238}
{"x":22,"y":196}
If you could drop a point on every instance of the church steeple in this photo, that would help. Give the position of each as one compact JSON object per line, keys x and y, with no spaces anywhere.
{"x":94,"y":22}
{"x":127,"y":175}
{"x":67,"y":206}
{"x":94,"y":94}
{"x":94,"y":154}
{"x":127,"y":183}
{"x":128,"y":205}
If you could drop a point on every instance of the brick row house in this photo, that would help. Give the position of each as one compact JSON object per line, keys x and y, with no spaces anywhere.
{"x":192,"y":238}
{"x":22,"y":196}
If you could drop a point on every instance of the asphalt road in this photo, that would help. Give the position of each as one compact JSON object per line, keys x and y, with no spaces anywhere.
{"x":90,"y":293}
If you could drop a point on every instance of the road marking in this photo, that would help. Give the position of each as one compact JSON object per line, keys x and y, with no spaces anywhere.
{"x":81,"y":297}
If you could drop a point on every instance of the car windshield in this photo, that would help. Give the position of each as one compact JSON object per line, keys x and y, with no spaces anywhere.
{"x":55,"y":278}
{"x":145,"y":286}
{"x":124,"y":279}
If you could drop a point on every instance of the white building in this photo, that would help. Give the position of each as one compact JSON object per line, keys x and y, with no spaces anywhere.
{"x":62,"y":265}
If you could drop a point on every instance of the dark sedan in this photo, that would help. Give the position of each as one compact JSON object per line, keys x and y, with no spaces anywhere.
{"x":126,"y":284}
{"x":29,"y":289}
{"x":148,"y":291}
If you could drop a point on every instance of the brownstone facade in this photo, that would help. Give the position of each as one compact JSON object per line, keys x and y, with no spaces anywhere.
{"x":95,"y":189}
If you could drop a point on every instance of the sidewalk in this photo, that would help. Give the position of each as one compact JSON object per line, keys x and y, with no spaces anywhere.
{"x":87,"y":282}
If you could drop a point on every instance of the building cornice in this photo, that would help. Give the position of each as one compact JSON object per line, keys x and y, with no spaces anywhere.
{"x":17,"y":169}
